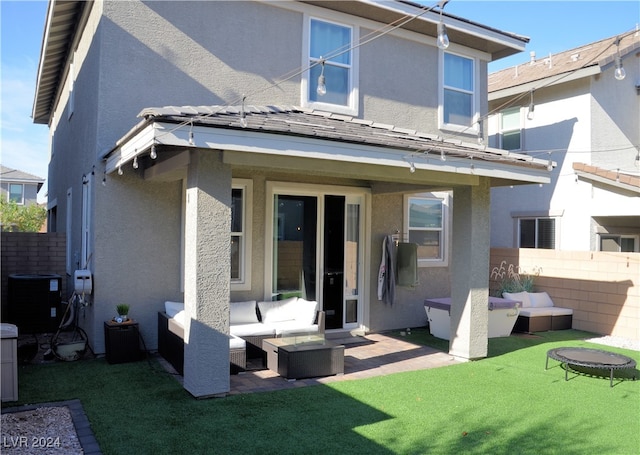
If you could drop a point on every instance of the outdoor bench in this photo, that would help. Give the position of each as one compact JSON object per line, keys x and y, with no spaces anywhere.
{"x":539,"y":314}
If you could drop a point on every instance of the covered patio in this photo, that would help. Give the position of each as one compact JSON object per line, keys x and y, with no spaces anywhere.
{"x":367,"y":356}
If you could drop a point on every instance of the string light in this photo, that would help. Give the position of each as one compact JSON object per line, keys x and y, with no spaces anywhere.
{"x":442,"y":40}
{"x":191,"y":141}
{"x":153,"y":154}
{"x":619,"y":72}
{"x":104,"y":178}
{"x":412,"y":167}
{"x":322,"y":86}
{"x":549,"y":163}
{"x":442,"y":156}
{"x":135,"y":162}
{"x":120,"y":170}
{"x":243,"y":114}
{"x":532,"y":106}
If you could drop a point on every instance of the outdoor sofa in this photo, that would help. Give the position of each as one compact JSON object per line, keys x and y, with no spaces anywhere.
{"x":538,"y":313}
{"x":250,"y":322}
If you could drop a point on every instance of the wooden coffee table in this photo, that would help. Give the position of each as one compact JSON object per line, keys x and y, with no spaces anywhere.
{"x":590,"y":358}
{"x":304,"y":357}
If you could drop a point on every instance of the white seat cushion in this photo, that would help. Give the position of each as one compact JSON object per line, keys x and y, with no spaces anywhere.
{"x":173,"y":308}
{"x":540,"y":300}
{"x":545,"y":311}
{"x":293,"y":327}
{"x":278,"y":310}
{"x":237,"y":343}
{"x":243,"y":313}
{"x":518,"y":297}
{"x":257,"y":329}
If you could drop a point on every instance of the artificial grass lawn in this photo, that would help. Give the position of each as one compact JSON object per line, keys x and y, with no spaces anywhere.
{"x":505,"y":404}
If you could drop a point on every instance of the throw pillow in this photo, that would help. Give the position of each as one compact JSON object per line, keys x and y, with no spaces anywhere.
{"x":518,"y":297}
{"x":243,"y":313}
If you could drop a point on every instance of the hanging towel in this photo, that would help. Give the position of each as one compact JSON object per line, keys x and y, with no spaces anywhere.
{"x":386,"y":273}
{"x":407,"y":264}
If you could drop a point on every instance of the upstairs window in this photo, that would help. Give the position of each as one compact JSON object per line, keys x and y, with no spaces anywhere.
{"x":332,"y":43}
{"x":458,"y":102}
{"x":510,"y":131}
{"x":537,"y":233}
{"x":16,"y":193}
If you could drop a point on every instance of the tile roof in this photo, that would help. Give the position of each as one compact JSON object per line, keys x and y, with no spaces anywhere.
{"x":599,"y":53}
{"x":297,"y":121}
{"x":8,"y":174}
{"x":612,"y":177}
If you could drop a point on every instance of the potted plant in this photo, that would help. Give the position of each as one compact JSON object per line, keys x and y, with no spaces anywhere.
{"x":123,"y":312}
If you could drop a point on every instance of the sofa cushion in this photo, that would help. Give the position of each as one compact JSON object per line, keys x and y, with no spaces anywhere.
{"x":173,"y":308}
{"x":257,"y":329}
{"x":237,"y":343}
{"x":519,"y":297}
{"x":545,"y":311}
{"x":243,"y":313}
{"x":287,"y":328}
{"x":278,"y":310}
{"x":540,"y":300}
{"x":305,"y":311}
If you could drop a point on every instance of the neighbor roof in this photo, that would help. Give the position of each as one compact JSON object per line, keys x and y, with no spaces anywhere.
{"x":8,"y":174}
{"x":564,"y":66}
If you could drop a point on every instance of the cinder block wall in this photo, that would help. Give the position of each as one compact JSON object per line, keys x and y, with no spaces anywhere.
{"x":602,"y":288}
{"x":32,"y":252}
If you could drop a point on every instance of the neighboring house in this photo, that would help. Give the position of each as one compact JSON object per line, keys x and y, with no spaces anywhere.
{"x":588,"y":121}
{"x":19,"y":187}
{"x":254,"y":186}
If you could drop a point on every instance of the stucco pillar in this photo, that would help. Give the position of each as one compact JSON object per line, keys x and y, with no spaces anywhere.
{"x":470,"y":271}
{"x":207,"y":272}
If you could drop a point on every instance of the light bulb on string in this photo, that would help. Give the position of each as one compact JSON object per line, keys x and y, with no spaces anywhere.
{"x":619,"y":72}
{"x":135,"y":162}
{"x":322,"y":86}
{"x":412,"y":167}
{"x":243,"y":114}
{"x":532,"y":107}
{"x":191,"y":141}
{"x":442,"y":156}
{"x":153,"y":154}
{"x":442,"y":39}
{"x":120,"y":172}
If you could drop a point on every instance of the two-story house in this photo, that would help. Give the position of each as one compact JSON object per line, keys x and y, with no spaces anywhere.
{"x":19,"y":186}
{"x":581,"y":109}
{"x":210,"y":152}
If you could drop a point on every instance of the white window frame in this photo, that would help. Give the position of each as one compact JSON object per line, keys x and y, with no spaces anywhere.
{"x":473,"y":128}
{"x":520,"y":129}
{"x":244,"y":282}
{"x":352,"y":104}
{"x":22,"y":197}
{"x":445,"y":198}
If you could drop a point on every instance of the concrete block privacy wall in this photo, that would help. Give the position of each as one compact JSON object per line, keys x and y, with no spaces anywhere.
{"x":32,"y":252}
{"x":602,"y":288}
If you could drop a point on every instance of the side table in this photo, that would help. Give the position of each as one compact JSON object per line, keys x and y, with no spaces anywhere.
{"x":122,"y":341}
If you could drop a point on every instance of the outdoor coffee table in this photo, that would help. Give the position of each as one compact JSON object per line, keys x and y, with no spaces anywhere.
{"x":304,"y":356}
{"x":591,"y":358}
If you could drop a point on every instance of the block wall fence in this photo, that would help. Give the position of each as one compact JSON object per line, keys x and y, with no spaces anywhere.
{"x":602,"y":288}
{"x":32,"y":253}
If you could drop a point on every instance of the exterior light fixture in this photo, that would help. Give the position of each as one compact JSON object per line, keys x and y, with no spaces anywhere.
{"x":442,"y":39}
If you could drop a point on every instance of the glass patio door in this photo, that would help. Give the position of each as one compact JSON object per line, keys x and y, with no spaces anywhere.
{"x":316,"y":253}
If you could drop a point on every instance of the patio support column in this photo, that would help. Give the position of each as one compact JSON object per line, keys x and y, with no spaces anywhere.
{"x":207,"y":272}
{"x":470,"y":271}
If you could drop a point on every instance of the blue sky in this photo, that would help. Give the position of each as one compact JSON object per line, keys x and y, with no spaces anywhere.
{"x":552,"y":26}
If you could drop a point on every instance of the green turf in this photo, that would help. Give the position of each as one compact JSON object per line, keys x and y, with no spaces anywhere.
{"x":505,"y":404}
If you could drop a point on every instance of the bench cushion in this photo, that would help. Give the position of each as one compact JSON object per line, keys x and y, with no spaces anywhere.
{"x":243,"y":313}
{"x":545,"y":311}
{"x":519,"y":297}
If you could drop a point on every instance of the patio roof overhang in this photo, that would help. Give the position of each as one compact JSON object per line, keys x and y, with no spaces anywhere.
{"x":289,"y":137}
